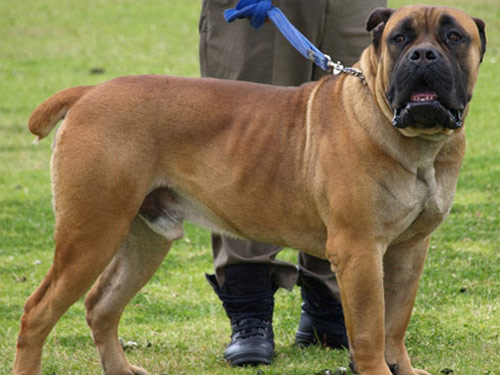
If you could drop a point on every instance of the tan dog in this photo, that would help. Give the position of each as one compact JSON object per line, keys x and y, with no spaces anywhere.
{"x":358,"y":174}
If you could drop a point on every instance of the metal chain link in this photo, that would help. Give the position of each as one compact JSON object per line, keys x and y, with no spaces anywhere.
{"x":337,"y":68}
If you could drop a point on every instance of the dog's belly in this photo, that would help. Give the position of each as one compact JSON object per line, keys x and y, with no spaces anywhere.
{"x":165,"y":209}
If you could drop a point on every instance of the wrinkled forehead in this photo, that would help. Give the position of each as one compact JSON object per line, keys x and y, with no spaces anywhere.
{"x":428,"y":19}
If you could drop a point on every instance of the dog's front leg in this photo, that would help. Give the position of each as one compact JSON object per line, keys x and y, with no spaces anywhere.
{"x":357,"y":263}
{"x":403,"y":266}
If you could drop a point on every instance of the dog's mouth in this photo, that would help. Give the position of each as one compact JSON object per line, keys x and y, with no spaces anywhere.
{"x":425,"y":114}
{"x":423,"y":95}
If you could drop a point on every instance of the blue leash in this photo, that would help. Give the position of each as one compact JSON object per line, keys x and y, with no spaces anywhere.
{"x":260,"y":10}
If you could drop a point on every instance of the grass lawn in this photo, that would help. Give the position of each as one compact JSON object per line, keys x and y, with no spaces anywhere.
{"x":177,"y":321}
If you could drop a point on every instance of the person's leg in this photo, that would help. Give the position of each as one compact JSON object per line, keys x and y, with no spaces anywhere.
{"x":237,"y":51}
{"x":234,"y":50}
{"x":289,"y":67}
{"x":248,"y":298}
{"x":228,"y":251}
{"x":322,"y":318}
{"x":246,"y":278}
{"x":343,"y":37}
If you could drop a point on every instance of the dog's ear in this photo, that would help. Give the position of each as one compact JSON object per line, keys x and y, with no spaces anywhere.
{"x":376,"y":23}
{"x":481,"y":26}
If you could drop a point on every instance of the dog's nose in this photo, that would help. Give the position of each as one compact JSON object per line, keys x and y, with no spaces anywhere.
{"x":423,"y":55}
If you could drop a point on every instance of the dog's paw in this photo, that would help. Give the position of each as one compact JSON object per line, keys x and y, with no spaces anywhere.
{"x":421,"y":372}
{"x":138,"y":370}
{"x":128,"y":370}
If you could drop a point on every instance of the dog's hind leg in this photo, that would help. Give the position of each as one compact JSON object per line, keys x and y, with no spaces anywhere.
{"x":134,"y":264}
{"x":84,"y":247}
{"x":96,"y":197}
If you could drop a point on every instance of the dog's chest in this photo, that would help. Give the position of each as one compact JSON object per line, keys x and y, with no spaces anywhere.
{"x":422,"y":207}
{"x":435,"y":201}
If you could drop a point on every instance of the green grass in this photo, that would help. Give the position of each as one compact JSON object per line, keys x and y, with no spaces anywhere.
{"x":177,"y":320}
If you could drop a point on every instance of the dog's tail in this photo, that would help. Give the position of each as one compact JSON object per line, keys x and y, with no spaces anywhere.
{"x":48,"y":114}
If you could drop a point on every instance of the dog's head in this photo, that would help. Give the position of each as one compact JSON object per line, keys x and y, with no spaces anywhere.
{"x":428,"y":60}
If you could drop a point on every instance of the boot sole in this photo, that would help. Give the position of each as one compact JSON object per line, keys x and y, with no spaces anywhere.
{"x":248,"y":359}
{"x":305,"y":339}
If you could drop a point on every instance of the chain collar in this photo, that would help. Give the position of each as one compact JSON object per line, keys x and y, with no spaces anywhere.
{"x":337,"y":68}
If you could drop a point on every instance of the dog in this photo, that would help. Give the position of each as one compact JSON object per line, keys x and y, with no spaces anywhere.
{"x":359,"y":173}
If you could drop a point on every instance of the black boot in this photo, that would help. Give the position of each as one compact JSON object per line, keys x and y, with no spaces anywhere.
{"x":322,"y":317}
{"x":248,"y":298}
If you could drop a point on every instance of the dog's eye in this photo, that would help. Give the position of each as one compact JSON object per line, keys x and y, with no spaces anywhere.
{"x":454,"y":37}
{"x":399,"y":38}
